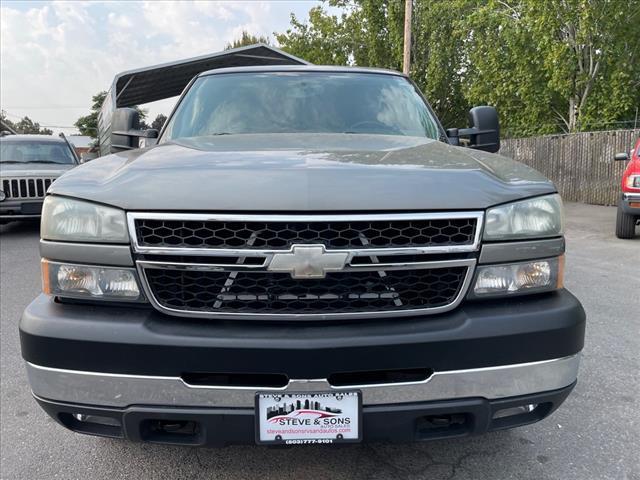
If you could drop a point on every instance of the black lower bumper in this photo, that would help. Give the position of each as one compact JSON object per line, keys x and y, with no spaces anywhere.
{"x":16,"y":210}
{"x":141,"y":341}
{"x":387,"y":423}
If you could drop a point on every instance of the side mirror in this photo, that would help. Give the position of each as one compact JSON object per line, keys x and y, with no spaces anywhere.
{"x":150,"y":138}
{"x":483,"y":133}
{"x":621,"y":157}
{"x":125,"y":130}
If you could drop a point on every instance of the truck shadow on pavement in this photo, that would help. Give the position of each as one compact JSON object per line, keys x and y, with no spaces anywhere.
{"x":20,"y":228}
{"x":462,"y":458}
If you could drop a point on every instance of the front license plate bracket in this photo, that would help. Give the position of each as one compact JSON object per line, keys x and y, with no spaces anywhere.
{"x":308,"y":418}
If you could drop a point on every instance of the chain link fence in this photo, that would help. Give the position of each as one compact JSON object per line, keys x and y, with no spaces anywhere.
{"x":580,"y":164}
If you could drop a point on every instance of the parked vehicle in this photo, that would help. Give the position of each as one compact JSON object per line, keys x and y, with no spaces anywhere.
{"x":629,"y":204}
{"x":28,"y":166}
{"x":306,"y":256}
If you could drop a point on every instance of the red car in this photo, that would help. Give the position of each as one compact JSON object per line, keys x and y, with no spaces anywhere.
{"x":629,"y":203}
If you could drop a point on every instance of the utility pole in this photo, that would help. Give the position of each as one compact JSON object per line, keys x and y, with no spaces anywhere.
{"x":406,"y":60}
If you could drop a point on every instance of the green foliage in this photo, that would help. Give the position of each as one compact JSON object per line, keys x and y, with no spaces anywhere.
{"x":245,"y":40}
{"x":25,"y":126}
{"x":325,"y":40}
{"x":158,"y":123}
{"x":88,"y":124}
{"x":548,"y":65}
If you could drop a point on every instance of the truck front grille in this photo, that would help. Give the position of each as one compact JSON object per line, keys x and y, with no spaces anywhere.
{"x":278,"y":293}
{"x":284,"y":266}
{"x":26,"y":188}
{"x":276,"y":235}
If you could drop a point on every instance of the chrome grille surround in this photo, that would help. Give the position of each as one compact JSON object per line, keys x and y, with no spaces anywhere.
{"x":247,"y":260}
{"x":25,"y":188}
{"x":334,"y":234}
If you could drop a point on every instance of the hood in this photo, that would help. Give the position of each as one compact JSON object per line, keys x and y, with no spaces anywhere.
{"x":33,"y":169}
{"x":302,"y":172}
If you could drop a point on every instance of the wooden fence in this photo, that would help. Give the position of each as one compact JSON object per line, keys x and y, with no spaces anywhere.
{"x":580,"y":164}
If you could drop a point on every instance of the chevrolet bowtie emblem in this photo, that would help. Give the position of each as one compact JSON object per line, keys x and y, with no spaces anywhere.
{"x":308,"y":261}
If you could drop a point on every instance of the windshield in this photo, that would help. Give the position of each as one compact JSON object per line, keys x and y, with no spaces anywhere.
{"x":35,"y":151}
{"x":302,"y":102}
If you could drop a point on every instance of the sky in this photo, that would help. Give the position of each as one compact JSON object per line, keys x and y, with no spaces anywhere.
{"x":54,"y":56}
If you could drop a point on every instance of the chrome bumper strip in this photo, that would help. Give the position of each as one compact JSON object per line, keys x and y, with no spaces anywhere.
{"x":114,"y":390}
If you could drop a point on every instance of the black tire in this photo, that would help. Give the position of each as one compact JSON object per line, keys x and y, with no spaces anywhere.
{"x":625,"y":224}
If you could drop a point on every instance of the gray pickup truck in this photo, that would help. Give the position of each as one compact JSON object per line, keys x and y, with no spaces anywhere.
{"x":305,"y":257}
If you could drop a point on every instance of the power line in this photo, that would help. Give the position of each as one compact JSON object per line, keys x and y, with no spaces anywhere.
{"x":57,"y":107}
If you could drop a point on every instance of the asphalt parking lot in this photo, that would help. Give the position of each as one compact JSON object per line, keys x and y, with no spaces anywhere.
{"x":594,"y":435}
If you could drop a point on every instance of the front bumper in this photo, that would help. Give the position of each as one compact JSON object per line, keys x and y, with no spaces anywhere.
{"x":217,"y":427}
{"x":629,"y":202}
{"x":132,"y":364}
{"x":113,"y":390}
{"x":20,"y":209}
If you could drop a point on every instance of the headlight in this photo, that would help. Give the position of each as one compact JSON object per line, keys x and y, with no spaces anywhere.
{"x":71,"y":220}
{"x":85,"y":281}
{"x":533,"y":218}
{"x":518,"y":278}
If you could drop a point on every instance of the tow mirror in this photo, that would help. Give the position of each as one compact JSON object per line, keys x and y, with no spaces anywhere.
{"x":150,"y":139}
{"x":125,"y":130}
{"x":621,"y":156}
{"x":483,"y":132}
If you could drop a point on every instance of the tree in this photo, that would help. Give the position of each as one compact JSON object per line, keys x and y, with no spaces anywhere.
{"x":88,"y":124}
{"x":247,"y":39}
{"x":25,"y":125}
{"x":548,"y":66}
{"x":4,"y":121}
{"x":370,"y":33}
{"x":567,"y":65}
{"x":158,"y":123}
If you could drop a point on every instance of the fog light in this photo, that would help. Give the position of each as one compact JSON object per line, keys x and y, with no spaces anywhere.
{"x":518,"y":278}
{"x":81,"y":417}
{"x":85,"y":281}
{"x":509,"y":412}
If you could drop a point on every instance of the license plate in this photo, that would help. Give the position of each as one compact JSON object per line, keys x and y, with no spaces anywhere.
{"x":33,"y":208}
{"x":308,"y":418}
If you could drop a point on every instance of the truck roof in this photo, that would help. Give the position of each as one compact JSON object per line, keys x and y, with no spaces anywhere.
{"x":300,"y":68}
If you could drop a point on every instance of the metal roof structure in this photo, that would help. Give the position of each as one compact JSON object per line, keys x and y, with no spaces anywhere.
{"x":148,"y":84}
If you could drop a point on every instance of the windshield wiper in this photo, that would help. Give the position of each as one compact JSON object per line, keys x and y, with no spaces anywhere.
{"x":214,"y":134}
{"x":45,"y":161}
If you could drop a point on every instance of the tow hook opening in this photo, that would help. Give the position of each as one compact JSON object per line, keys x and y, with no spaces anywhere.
{"x":443,"y":425}
{"x":171,"y":431}
{"x":92,"y":424}
{"x":517,"y":415}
